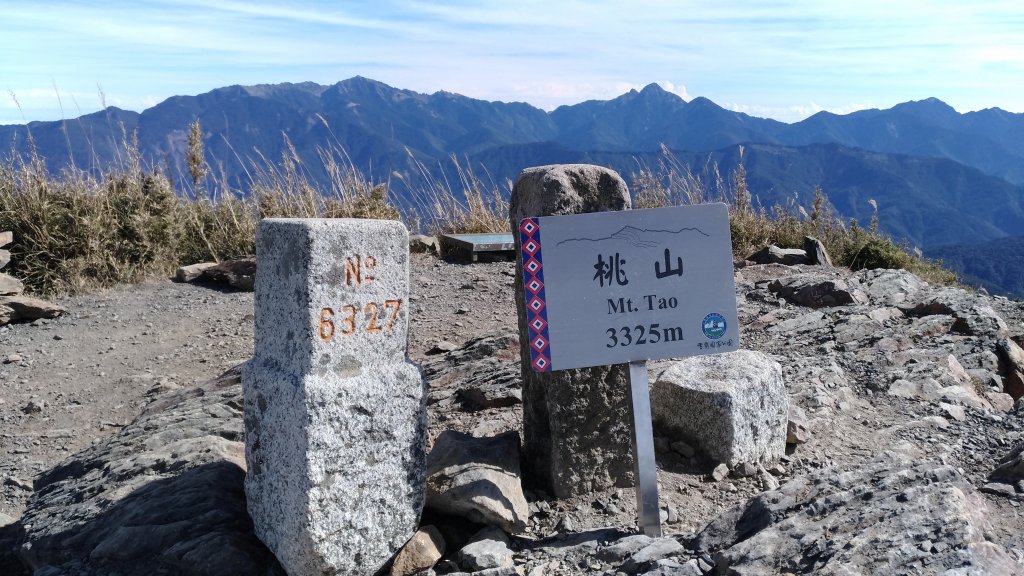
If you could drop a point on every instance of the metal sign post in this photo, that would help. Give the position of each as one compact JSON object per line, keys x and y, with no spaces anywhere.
{"x":644,"y":467}
{"x":631,"y":286}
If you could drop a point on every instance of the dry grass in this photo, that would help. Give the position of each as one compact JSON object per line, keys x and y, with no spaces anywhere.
{"x":77,"y":231}
{"x":753,"y":227}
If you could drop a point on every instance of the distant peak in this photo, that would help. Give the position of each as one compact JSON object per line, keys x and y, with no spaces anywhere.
{"x":653,"y":88}
{"x":928,"y":105}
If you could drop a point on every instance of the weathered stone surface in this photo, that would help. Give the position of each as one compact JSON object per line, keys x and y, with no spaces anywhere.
{"x":478,"y":479}
{"x":623,"y":548}
{"x":165,"y":495}
{"x":424,"y":244}
{"x":1011,"y":467}
{"x":9,"y":285}
{"x":816,"y":252}
{"x":335,"y":416}
{"x":731,"y":406}
{"x":1000,"y":401}
{"x":237,"y":274}
{"x":5,"y":258}
{"x":891,"y":287}
{"x":575,"y":422}
{"x":192,"y":271}
{"x":797,"y":427}
{"x":775,"y":255}
{"x":658,"y":549}
{"x":6,"y":314}
{"x":487,"y":549}
{"x":11,"y":535}
{"x":28,"y":308}
{"x":6,"y":237}
{"x":998,"y":489}
{"x":481,"y":374}
{"x":1013,"y":356}
{"x":833,"y":521}
{"x":421,"y":552}
{"x":972,"y":316}
{"x":817,"y":291}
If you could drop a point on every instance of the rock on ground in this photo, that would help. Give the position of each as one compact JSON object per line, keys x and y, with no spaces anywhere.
{"x":732,"y":406}
{"x":421,"y":552}
{"x":835,"y":521}
{"x":478,"y":479}
{"x":163,"y":495}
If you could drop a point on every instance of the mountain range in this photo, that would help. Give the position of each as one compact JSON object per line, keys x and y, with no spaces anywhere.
{"x":942,"y":181}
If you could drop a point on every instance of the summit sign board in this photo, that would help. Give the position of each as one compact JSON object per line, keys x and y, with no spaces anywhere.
{"x":616,"y":287}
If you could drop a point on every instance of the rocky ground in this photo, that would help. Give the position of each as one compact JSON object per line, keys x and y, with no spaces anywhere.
{"x":899,"y":383}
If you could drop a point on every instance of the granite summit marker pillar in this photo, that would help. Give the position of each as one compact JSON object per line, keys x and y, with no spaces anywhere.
{"x":335,"y":415}
{"x":576,"y":432}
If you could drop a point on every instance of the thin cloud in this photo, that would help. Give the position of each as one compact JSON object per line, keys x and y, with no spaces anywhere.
{"x":778,"y":58}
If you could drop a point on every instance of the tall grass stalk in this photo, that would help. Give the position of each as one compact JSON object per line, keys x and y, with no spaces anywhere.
{"x":79,"y":230}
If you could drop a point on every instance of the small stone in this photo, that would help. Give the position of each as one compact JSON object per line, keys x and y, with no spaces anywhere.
{"x":768,"y":482}
{"x":1000,"y":401}
{"x":745,"y":470}
{"x":721,"y":472}
{"x":656,"y":550}
{"x":566,"y":524}
{"x":192,"y":271}
{"x":955,"y":412}
{"x":13,"y":359}
{"x":421,"y":552}
{"x":423,"y":244}
{"x":442,"y":347}
{"x":998,"y":489}
{"x":488,"y":548}
{"x":9,"y":285}
{"x":683,"y":448}
{"x":673,"y":516}
{"x":33,"y":407}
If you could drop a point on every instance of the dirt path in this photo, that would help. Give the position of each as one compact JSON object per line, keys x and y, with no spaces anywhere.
{"x":84,"y":375}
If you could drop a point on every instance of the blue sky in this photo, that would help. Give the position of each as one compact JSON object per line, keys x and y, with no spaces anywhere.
{"x":770,"y":58}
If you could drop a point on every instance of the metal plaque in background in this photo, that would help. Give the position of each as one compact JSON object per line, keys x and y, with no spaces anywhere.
{"x":615,"y":287}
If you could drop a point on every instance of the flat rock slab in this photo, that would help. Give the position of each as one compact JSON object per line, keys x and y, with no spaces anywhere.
{"x":335,"y":416}
{"x":775,"y":255}
{"x":193,"y":272}
{"x":28,"y":308}
{"x":731,"y":406}
{"x":890,"y":515}
{"x":164,"y":495}
{"x":818,"y":291}
{"x":237,"y":274}
{"x":482,"y":374}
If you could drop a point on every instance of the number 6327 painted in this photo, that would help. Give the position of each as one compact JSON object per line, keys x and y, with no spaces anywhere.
{"x":640,"y":334}
{"x":374,"y":318}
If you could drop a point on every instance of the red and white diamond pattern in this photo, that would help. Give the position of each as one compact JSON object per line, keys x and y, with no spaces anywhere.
{"x":533,"y":281}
